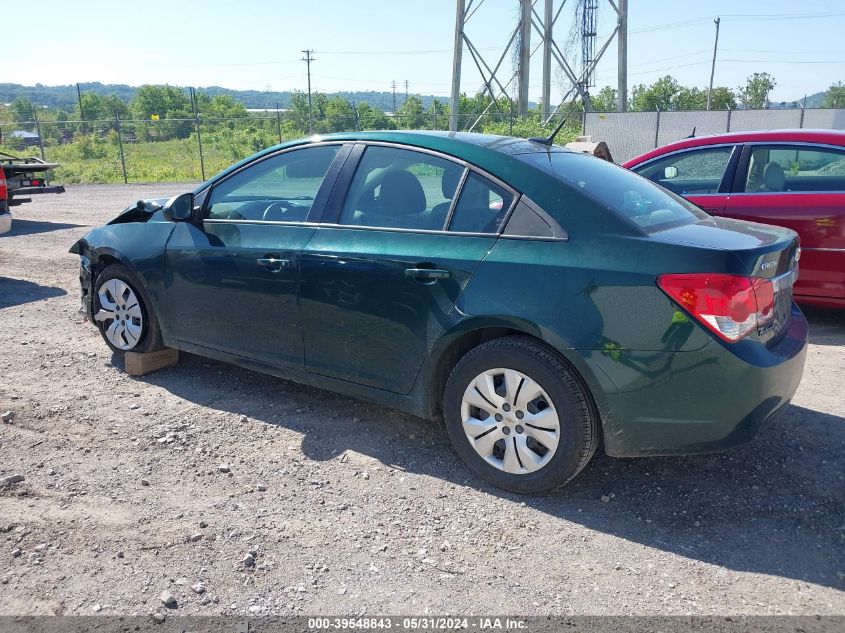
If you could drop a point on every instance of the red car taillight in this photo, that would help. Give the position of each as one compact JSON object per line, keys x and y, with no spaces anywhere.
{"x":4,"y":192}
{"x":731,"y":306}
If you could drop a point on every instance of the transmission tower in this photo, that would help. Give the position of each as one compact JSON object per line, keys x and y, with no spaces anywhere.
{"x":588,"y":41}
{"x":496,"y":81}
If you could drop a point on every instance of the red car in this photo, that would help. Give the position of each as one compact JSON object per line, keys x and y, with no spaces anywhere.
{"x":792,"y":178}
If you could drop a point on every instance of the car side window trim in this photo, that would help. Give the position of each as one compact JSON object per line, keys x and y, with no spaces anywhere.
{"x":738,"y":185}
{"x":455,"y":197}
{"x":333,"y":209}
{"x":320,"y":199}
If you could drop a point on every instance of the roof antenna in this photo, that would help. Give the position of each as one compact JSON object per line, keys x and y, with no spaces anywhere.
{"x":551,"y":137}
{"x":692,"y":135}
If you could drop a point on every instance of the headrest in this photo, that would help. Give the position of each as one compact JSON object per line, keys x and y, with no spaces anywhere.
{"x":773,"y":177}
{"x":401,"y":194}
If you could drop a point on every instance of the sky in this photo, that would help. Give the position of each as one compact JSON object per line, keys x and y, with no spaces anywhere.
{"x":368,"y":44}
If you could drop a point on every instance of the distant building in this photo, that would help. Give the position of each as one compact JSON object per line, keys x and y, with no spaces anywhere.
{"x":22,"y":138}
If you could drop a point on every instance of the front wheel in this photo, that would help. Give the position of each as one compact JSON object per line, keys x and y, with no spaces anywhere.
{"x":123,"y":314}
{"x":518,"y":416}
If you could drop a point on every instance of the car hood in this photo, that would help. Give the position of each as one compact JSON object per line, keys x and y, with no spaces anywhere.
{"x":141,"y":211}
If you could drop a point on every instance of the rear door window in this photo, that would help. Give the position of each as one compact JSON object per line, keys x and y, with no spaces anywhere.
{"x":481,"y":207}
{"x":688,"y":173}
{"x":786,"y":168}
{"x":401,"y":188}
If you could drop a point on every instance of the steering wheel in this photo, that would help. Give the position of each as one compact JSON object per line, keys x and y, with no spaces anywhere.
{"x":275,"y":211}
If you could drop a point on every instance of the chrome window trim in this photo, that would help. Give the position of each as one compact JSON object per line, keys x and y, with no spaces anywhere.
{"x":823,"y":249}
{"x":517,"y":196}
{"x":273,"y":222}
{"x":316,"y":225}
{"x":781,"y":193}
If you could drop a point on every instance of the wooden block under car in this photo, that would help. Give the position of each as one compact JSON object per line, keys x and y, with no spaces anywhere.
{"x":140,"y":364}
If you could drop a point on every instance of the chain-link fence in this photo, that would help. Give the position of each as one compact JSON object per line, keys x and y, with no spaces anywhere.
{"x":629,"y":134}
{"x":191,"y":149}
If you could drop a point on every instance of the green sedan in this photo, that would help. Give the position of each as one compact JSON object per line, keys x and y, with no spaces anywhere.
{"x":542,"y":303}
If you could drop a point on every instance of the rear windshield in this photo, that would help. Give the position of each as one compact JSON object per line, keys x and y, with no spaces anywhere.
{"x":638,"y":199}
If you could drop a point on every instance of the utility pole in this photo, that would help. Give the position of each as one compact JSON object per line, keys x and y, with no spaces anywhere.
{"x":308,"y":59}
{"x":79,"y":96}
{"x":713,"y":66}
{"x":456,"y":64}
{"x":393,"y":85}
{"x":406,"y":90}
{"x":622,"y":63}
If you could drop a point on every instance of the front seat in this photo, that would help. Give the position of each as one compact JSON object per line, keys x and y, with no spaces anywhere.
{"x":773,"y":178}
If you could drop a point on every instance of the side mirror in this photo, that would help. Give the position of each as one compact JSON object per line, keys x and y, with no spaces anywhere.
{"x":670,"y":172}
{"x":179,"y":208}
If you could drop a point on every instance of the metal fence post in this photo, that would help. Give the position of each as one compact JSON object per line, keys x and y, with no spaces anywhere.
{"x":801,"y":120}
{"x":120,"y":144}
{"x":730,"y":112}
{"x":583,"y":121}
{"x":657,"y":129}
{"x":41,"y":144}
{"x":279,"y":121}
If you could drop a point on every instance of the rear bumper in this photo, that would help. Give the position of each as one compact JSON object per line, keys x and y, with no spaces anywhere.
{"x":698,"y":402}
{"x":5,"y":222}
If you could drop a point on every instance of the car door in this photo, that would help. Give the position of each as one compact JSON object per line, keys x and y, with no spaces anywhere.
{"x":703,"y":175}
{"x":402,"y":236}
{"x":231,"y":278}
{"x":802,"y":187}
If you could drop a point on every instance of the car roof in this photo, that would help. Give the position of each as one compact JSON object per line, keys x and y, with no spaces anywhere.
{"x":488,"y":151}
{"x":828,"y":137}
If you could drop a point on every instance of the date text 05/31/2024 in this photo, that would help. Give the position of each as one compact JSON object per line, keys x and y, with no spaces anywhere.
{"x":430,"y":623}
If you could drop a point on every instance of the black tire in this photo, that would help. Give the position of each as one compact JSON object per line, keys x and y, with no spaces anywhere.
{"x":150,"y":339}
{"x":579,"y":434}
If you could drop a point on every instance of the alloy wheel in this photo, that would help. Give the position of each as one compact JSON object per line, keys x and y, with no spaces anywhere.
{"x":510,"y":421}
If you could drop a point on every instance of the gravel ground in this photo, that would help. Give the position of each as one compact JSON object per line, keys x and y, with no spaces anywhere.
{"x":236,"y":492}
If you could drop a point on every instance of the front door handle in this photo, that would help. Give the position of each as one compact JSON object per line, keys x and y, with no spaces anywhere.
{"x":273,"y":264}
{"x":427,"y":274}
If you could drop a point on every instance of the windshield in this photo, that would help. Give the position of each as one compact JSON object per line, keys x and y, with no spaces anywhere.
{"x":646,"y":204}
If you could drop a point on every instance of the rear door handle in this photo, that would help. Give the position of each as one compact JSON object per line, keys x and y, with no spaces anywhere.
{"x":273,"y":264}
{"x":427,"y":273}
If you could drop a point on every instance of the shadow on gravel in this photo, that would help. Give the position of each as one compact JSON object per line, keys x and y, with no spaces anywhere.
{"x":31,"y":227}
{"x":827,"y":326}
{"x":774,"y":506}
{"x":15,"y":292}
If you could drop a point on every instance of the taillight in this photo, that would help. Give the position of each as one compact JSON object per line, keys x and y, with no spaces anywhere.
{"x":4,"y":192}
{"x":731,"y":306}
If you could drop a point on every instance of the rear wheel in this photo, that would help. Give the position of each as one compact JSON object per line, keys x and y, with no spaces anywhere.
{"x":123,"y":314}
{"x":518,"y":416}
